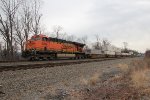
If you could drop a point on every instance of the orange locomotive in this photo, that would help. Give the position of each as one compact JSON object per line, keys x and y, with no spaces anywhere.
{"x":43,"y":47}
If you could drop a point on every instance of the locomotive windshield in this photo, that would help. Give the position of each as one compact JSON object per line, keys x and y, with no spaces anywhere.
{"x":44,"y":39}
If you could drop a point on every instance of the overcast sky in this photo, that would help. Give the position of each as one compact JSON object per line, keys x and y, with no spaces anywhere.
{"x":117,"y":20}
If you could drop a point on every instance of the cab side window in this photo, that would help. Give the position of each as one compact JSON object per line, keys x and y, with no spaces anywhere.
{"x":38,"y":38}
{"x":44,"y":39}
{"x":35,"y":38}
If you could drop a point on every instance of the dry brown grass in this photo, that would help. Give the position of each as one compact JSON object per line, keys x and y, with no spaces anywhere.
{"x":140,"y":79}
{"x":146,"y":91}
{"x":65,"y":82}
{"x":92,"y":81}
{"x":116,"y":78}
{"x":83,"y":81}
{"x":138,"y":73}
{"x":138,"y":65}
{"x":123,"y":67}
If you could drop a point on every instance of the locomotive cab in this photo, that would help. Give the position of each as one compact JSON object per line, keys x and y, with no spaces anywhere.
{"x":36,"y":42}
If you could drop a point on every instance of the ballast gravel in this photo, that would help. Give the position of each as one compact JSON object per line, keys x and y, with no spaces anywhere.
{"x":44,"y":83}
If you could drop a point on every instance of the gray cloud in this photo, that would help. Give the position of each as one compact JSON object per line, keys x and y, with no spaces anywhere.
{"x":117,"y":20}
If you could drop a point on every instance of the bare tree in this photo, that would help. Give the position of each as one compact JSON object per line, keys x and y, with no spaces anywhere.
{"x":125,"y":45}
{"x":9,"y":7}
{"x":97,"y":45}
{"x":97,"y":37}
{"x":20,"y":35}
{"x":26,"y":18}
{"x":70,"y":38}
{"x":4,"y":30}
{"x":29,"y":21}
{"x":105,"y":42}
{"x":83,"y":39}
{"x":0,"y":51}
{"x":36,"y":16}
{"x":64,"y":36}
{"x":56,"y":30}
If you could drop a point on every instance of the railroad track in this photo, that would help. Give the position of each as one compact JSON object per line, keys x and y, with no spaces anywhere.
{"x":41,"y":64}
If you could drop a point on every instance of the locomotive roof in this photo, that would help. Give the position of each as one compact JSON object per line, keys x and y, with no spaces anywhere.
{"x":59,"y":40}
{"x":65,"y":41}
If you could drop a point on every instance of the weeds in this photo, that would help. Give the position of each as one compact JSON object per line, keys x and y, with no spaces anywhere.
{"x":123,"y":67}
{"x":92,"y":81}
{"x":139,"y":78}
{"x":138,"y":73}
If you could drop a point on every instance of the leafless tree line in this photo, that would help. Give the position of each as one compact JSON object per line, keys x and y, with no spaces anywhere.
{"x":22,"y":18}
{"x":19,"y":19}
{"x":57,"y":33}
{"x":100,"y":42}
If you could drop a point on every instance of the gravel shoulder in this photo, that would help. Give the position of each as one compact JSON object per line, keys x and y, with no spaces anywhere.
{"x":45,"y":83}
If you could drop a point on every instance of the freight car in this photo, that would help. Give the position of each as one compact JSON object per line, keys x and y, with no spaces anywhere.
{"x":41,"y":47}
{"x":107,"y":51}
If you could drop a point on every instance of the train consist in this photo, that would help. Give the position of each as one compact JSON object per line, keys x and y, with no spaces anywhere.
{"x":41,"y":47}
